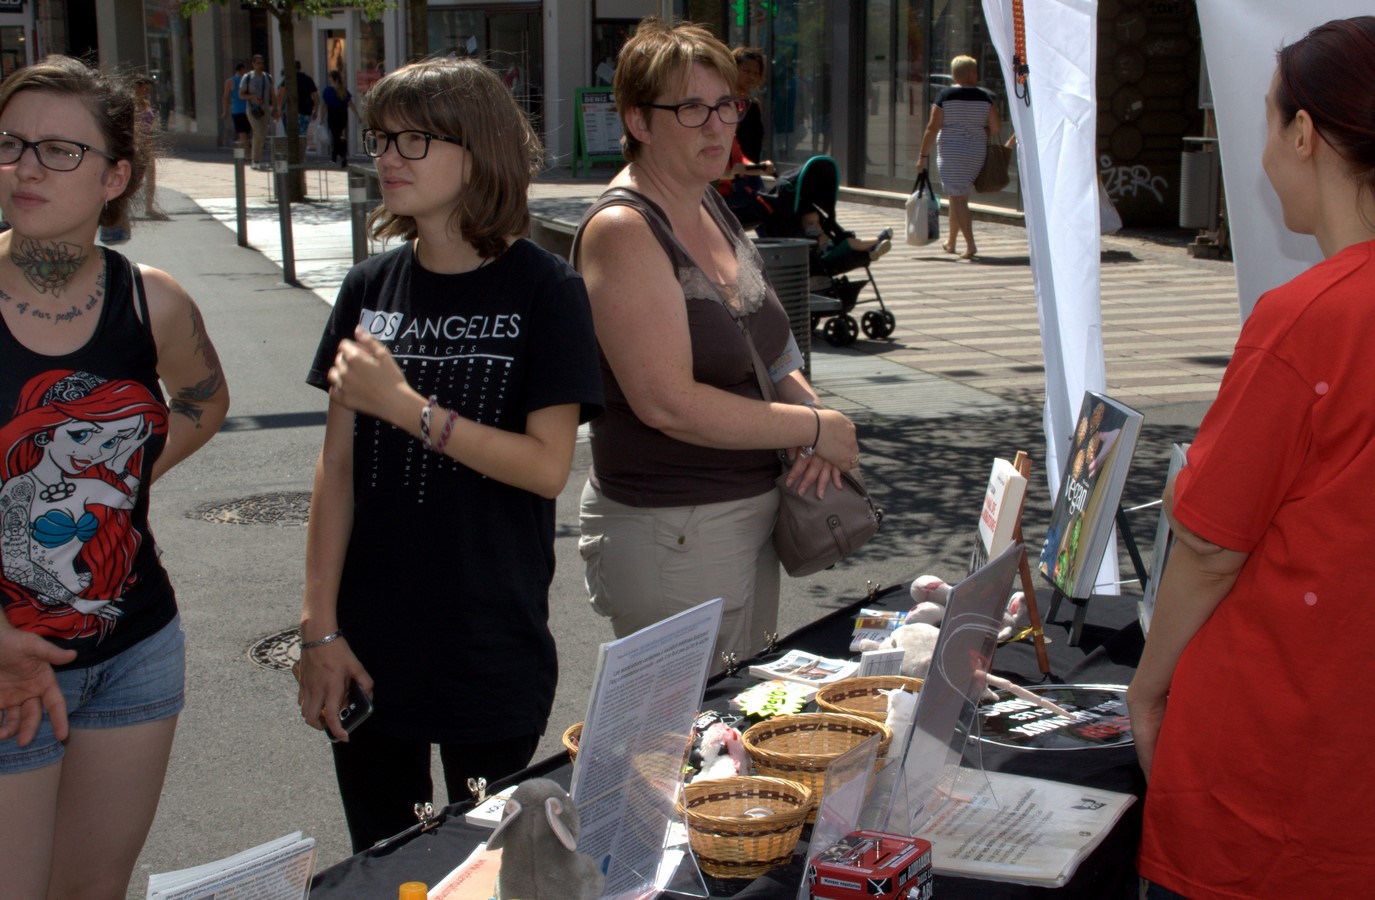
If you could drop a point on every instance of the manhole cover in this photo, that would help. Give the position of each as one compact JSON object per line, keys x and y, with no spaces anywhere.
{"x":283,"y":508}
{"x":277,"y":651}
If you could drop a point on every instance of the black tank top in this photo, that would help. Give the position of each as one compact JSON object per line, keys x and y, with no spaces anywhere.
{"x":78,"y":437}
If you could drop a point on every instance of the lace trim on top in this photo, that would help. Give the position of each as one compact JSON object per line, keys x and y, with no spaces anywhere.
{"x":743,"y":298}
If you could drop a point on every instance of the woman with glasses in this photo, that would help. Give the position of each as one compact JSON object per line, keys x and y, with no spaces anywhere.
{"x":91,"y":648}
{"x":459,"y":366}
{"x":680,"y":502}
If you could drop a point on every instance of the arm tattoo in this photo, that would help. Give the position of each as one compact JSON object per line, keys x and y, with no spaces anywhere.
{"x":48,"y":267}
{"x":187,"y":401}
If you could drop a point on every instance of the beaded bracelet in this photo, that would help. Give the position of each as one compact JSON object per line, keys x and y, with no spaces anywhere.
{"x":320,"y":642}
{"x":444,"y":434}
{"x":425,"y":422}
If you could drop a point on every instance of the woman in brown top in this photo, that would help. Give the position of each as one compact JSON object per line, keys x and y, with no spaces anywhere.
{"x":680,"y":502}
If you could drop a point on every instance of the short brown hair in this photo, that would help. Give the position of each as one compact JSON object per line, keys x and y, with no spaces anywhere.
{"x":110,"y":100}
{"x":660,"y":56}
{"x":463,"y":98}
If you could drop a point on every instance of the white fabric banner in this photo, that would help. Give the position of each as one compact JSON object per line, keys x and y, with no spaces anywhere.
{"x":1240,"y":38}
{"x":1058,"y":166}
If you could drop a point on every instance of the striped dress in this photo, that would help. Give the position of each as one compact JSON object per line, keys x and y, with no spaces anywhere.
{"x":963,"y":139}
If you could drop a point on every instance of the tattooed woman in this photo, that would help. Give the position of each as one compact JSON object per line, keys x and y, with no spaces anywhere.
{"x":90,"y":635}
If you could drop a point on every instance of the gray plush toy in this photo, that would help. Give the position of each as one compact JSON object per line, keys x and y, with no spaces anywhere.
{"x":538,"y":839}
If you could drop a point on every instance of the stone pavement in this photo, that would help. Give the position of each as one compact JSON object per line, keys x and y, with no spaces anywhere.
{"x":1169,"y":321}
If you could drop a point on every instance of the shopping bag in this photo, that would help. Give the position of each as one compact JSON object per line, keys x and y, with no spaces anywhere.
{"x":317,"y":139}
{"x":923,"y":212}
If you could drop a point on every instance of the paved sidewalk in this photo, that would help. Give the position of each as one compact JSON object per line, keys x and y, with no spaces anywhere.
{"x":1169,"y":321}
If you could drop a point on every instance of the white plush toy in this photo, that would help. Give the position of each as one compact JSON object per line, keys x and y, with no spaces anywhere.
{"x":723,"y":753}
{"x":917,"y":637}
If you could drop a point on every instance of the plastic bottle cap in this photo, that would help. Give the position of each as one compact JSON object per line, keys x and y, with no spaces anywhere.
{"x":413,"y":890}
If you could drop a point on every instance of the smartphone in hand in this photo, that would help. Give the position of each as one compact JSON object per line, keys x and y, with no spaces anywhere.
{"x":355,"y":711}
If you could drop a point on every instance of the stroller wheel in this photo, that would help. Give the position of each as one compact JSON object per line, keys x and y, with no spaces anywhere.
{"x":878,"y":324}
{"x":841,"y":331}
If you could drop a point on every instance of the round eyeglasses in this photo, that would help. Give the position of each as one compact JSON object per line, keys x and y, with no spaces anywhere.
{"x":52,"y":153}
{"x":694,"y":114}
{"x":409,"y":144}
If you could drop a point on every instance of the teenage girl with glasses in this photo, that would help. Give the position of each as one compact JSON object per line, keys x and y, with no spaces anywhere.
{"x":459,"y":366}
{"x":91,"y":650}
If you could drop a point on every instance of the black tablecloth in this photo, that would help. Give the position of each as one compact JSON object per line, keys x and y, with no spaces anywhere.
{"x":1107,"y":654}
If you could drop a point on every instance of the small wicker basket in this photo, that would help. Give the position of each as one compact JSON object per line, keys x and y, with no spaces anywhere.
{"x":730,"y":844}
{"x":799,"y":748}
{"x":862,"y":697}
{"x":570,"y":738}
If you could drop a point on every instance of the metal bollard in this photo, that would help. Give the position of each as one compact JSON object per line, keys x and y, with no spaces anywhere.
{"x":358,"y":207}
{"x":280,"y":168}
{"x":240,"y":194}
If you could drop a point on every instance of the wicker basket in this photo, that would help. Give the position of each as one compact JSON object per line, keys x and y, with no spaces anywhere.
{"x":729,"y":844}
{"x":799,"y":748}
{"x":861,"y":697}
{"x":571,"y":734}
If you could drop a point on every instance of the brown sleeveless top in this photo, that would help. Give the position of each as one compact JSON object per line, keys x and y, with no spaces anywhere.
{"x":641,"y":466}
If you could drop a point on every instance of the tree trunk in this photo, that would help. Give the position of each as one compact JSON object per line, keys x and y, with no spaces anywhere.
{"x":418,"y":24}
{"x":295,"y":146}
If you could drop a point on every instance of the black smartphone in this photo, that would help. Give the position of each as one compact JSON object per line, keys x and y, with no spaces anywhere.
{"x":356,"y":709}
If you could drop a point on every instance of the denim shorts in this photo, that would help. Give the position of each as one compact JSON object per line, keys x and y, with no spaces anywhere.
{"x":142,"y":684}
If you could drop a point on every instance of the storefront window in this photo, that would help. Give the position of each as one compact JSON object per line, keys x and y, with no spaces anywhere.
{"x":509,"y":40}
{"x":170,"y":65}
{"x":372,"y":63}
{"x":799,"y":81}
{"x":12,"y":56}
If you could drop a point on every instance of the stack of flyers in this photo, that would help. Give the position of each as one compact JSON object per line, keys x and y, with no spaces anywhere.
{"x":875,"y":625}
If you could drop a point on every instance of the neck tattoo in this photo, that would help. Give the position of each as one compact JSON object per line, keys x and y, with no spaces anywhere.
{"x":24,"y":307}
{"x":48,"y":267}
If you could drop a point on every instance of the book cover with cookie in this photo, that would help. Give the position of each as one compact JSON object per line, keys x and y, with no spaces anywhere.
{"x":1081,"y":525}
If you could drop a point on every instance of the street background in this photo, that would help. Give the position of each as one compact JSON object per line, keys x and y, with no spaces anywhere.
{"x":959,"y":383}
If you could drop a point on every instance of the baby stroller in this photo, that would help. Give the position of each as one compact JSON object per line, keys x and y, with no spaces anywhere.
{"x":814,"y":188}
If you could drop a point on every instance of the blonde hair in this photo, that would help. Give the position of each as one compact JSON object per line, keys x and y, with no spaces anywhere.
{"x":961,"y":64}
{"x":660,"y":56}
{"x":465,"y":99}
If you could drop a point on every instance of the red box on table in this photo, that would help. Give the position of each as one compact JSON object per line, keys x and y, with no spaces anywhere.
{"x":872,"y":865}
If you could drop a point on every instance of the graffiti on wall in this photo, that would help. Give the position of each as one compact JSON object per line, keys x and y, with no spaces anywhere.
{"x":1130,"y":181}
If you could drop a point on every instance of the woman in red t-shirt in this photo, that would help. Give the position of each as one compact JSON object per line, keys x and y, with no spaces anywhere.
{"x":1241,"y":723}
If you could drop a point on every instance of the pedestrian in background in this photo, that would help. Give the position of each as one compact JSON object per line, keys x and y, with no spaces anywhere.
{"x":89,"y":341}
{"x":1238,"y":708}
{"x":307,"y":98}
{"x":459,"y":366}
{"x":338,"y":101}
{"x":235,"y":107}
{"x":963,"y":120}
{"x":256,"y":90}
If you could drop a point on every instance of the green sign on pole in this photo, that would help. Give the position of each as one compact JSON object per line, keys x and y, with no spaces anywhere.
{"x":597,"y":129}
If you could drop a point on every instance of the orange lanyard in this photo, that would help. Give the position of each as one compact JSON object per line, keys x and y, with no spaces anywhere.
{"x":1019,"y":66}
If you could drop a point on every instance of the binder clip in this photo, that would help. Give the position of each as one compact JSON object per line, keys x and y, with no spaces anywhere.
{"x":427,"y":817}
{"x":478,"y":788}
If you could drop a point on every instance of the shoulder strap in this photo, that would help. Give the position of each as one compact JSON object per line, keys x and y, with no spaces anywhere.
{"x":654,"y":217}
{"x":140,"y":298}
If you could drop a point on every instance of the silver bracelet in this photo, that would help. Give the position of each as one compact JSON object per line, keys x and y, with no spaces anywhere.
{"x":320,"y":642}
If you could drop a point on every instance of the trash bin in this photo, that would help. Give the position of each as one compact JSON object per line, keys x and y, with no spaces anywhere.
{"x":785,"y":261}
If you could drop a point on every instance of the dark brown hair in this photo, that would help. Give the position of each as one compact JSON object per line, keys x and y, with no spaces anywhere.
{"x":111,"y":102}
{"x":1309,"y":70}
{"x":658,"y":57}
{"x":463,"y":98}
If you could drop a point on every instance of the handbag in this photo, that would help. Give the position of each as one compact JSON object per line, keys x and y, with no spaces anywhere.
{"x":923,"y":212}
{"x":993,"y":175}
{"x":810,"y":534}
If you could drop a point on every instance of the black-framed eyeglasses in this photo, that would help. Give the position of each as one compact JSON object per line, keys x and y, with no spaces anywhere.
{"x":52,"y":153}
{"x":694,"y":114}
{"x":409,"y":144}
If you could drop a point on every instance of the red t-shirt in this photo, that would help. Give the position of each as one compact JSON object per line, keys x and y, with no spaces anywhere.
{"x":1261,"y":786}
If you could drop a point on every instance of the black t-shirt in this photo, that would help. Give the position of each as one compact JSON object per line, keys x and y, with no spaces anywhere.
{"x":305,"y":93}
{"x":750,"y":132}
{"x":444,"y":592}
